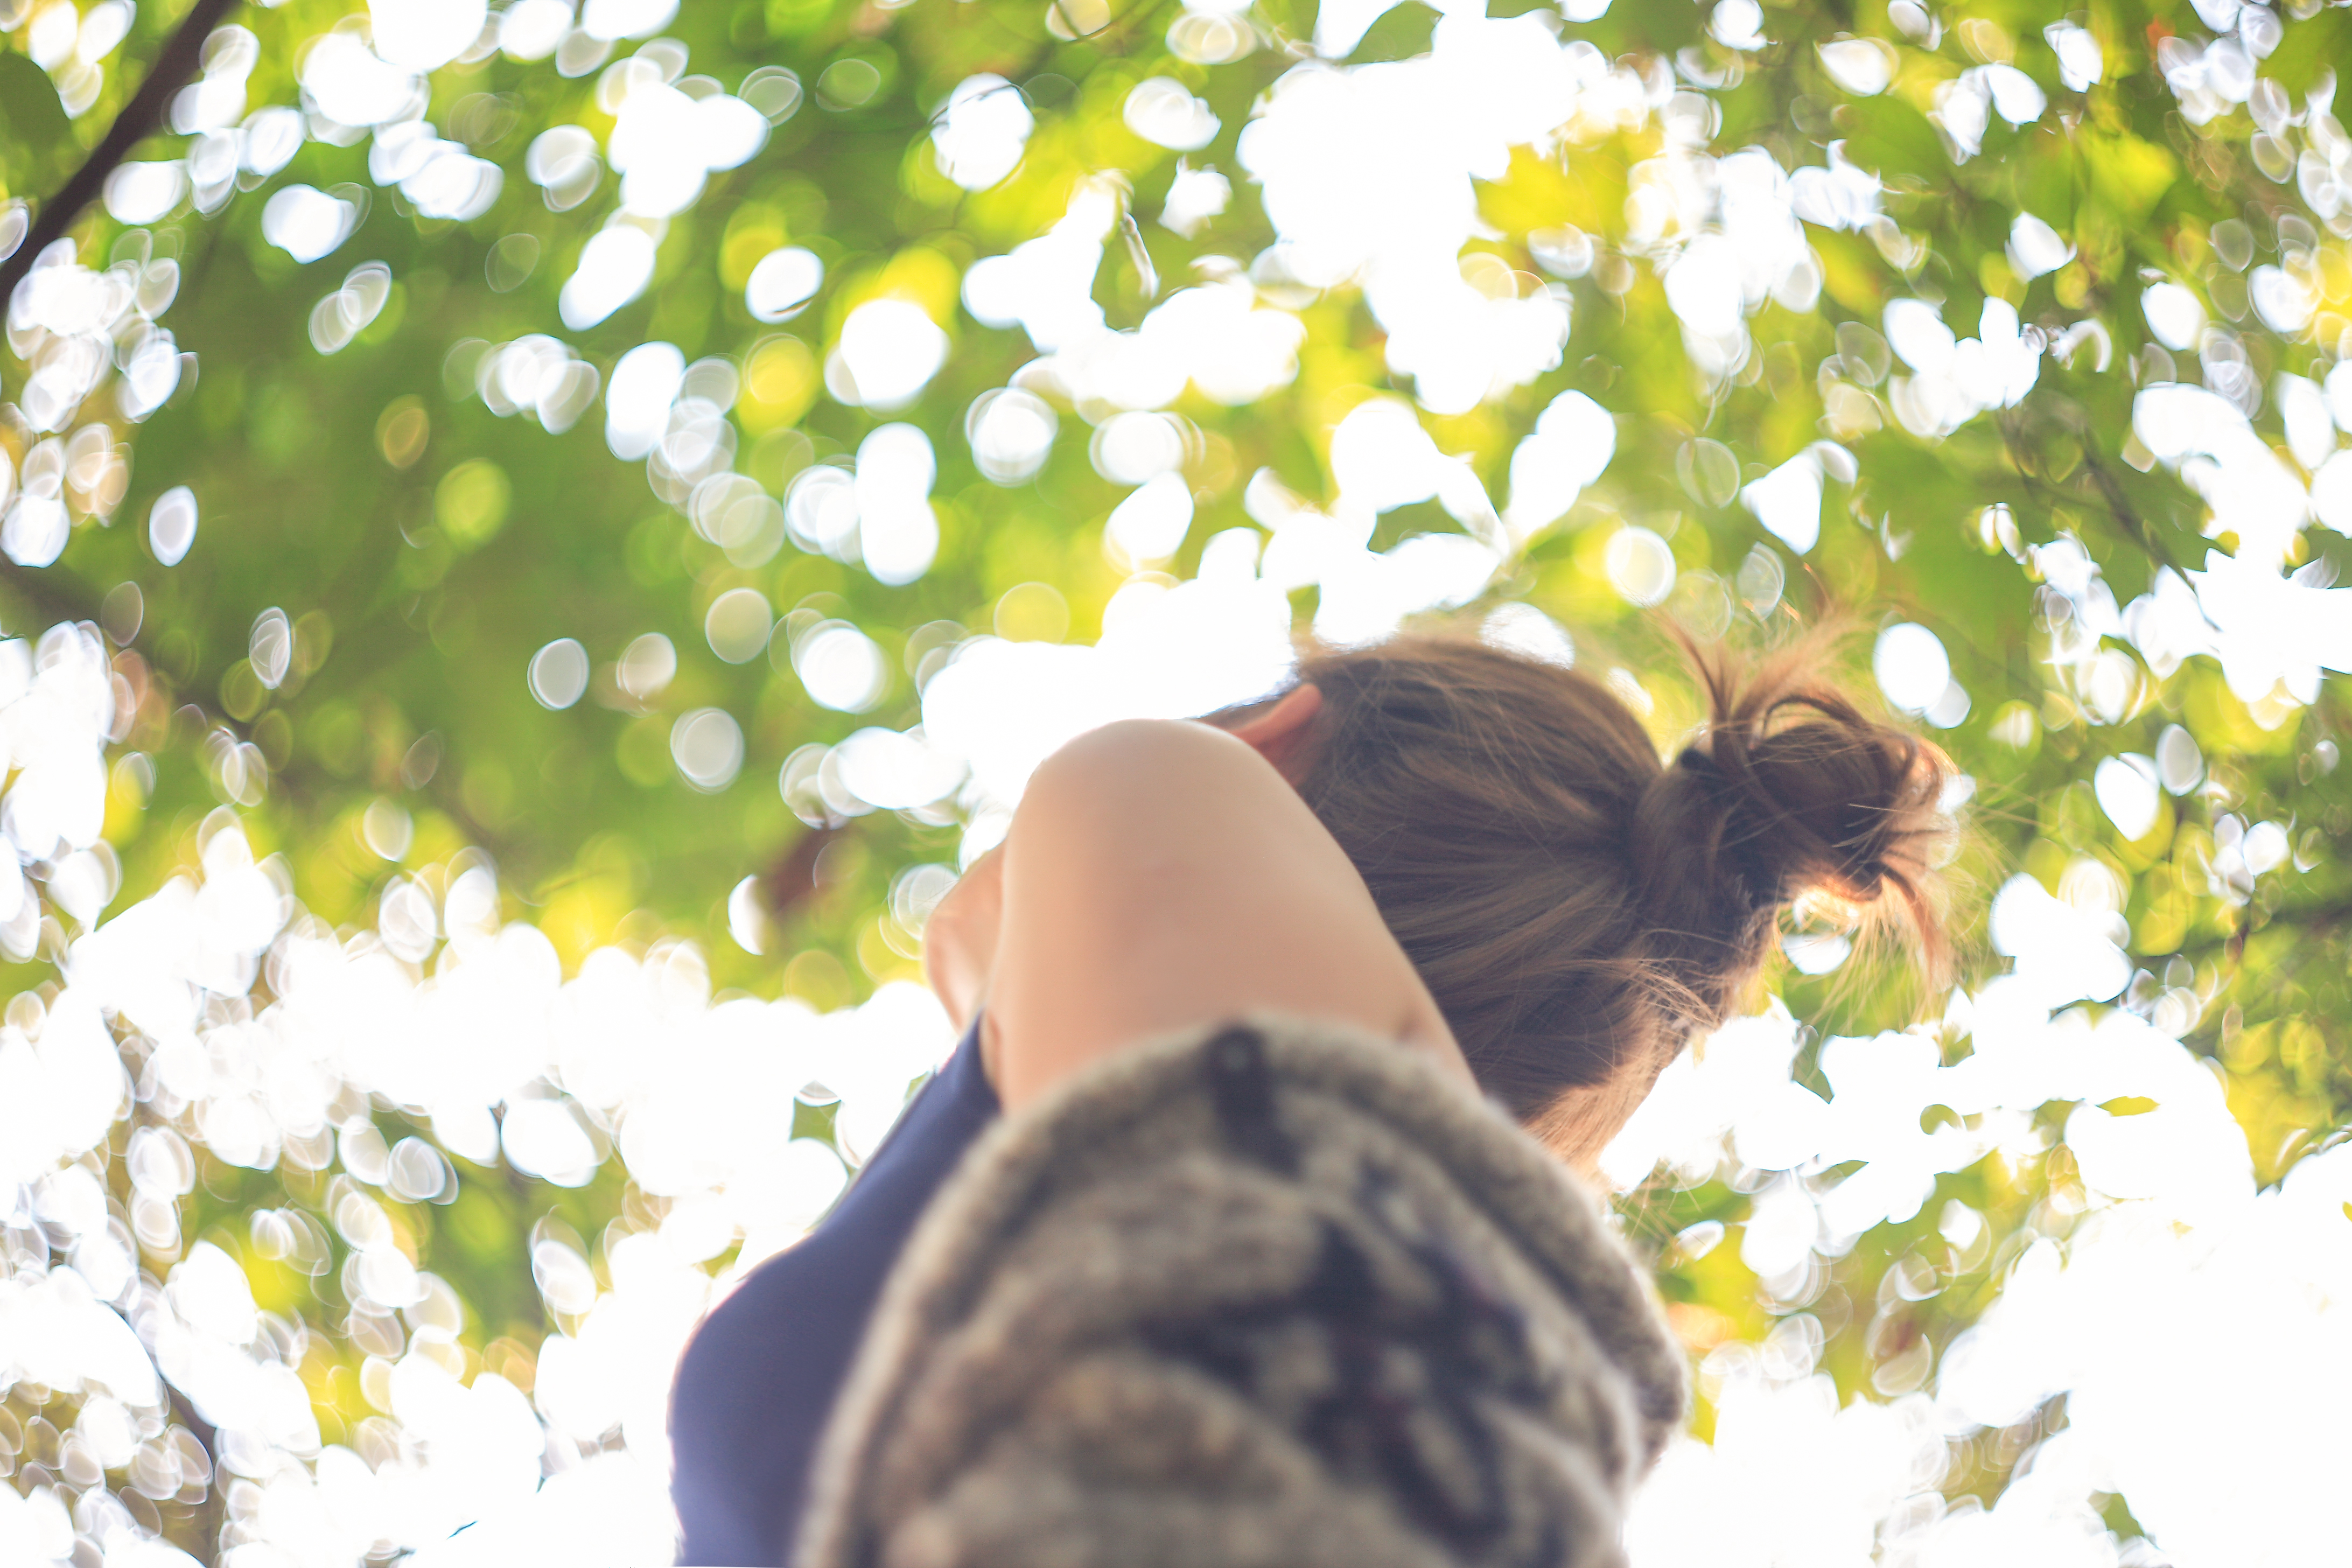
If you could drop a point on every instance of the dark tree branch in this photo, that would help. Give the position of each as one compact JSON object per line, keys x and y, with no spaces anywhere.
{"x":140,"y":116}
{"x":50,"y":594}
{"x":206,"y":1522}
{"x":2305,"y":917}
{"x":2119,"y":507}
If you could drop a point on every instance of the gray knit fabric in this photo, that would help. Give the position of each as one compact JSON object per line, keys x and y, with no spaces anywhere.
{"x":1270,"y":1295}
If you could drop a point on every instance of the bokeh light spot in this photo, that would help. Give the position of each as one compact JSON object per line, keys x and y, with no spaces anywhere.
{"x":1640,"y":565}
{"x":646,"y":667}
{"x":171,"y":524}
{"x":1911,"y":665}
{"x":737,"y":625}
{"x":782,"y":283}
{"x":470,"y":502}
{"x":708,"y":746}
{"x":1032,"y":612}
{"x":387,"y":829}
{"x":558,"y":676}
{"x":841,"y":668}
{"x":402,"y":431}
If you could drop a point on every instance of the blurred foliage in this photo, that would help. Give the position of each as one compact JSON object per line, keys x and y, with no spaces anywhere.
{"x":423,"y":548}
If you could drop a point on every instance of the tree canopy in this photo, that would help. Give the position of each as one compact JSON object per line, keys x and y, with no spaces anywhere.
{"x":538,"y":540}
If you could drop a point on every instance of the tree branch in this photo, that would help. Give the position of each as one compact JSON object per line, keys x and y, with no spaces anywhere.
{"x":2307,"y":917}
{"x":2119,"y":505}
{"x":51,"y":594}
{"x":207,"y":1520}
{"x":140,"y":116}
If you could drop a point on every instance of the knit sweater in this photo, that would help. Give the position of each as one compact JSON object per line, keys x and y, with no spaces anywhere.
{"x":1276,"y":1294}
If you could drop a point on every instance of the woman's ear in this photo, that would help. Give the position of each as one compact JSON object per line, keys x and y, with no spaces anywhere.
{"x":1279,"y":733}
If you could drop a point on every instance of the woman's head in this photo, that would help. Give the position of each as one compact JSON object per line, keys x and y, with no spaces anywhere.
{"x":1579,"y":910}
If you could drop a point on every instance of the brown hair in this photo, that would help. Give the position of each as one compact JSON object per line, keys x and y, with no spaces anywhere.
{"x":1573,"y":903}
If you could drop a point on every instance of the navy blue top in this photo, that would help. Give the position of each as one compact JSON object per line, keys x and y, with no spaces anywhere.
{"x":759,"y":1378}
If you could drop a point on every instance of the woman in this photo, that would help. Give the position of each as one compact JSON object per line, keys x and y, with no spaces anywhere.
{"x":1443,"y":844}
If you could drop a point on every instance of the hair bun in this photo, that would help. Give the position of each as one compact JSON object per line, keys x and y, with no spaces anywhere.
{"x":1793,"y":793}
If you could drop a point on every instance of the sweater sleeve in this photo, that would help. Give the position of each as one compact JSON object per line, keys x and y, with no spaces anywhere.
{"x":1274,"y":1292}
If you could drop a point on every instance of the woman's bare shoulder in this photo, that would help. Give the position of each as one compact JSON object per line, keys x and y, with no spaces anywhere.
{"x":1134,"y":813}
{"x":1163,"y":874}
{"x":1141,"y":747}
